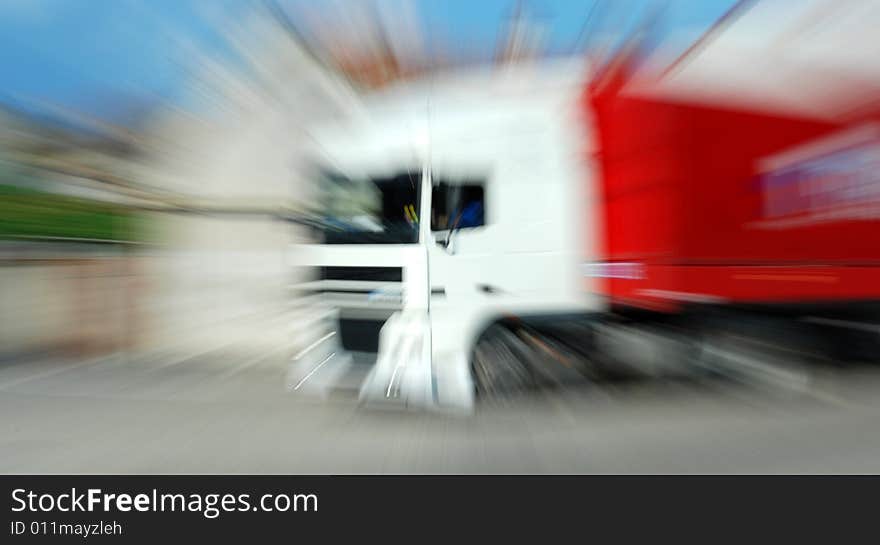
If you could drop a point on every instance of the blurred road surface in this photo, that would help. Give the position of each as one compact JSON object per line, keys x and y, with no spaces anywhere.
{"x":215,"y":413}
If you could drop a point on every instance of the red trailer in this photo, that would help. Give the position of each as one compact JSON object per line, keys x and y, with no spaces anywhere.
{"x":734,"y":217}
{"x":722,"y":204}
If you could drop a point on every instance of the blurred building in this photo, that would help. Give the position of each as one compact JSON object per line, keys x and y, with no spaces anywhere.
{"x":209,"y":183}
{"x":67,"y":229}
{"x":231,"y":163}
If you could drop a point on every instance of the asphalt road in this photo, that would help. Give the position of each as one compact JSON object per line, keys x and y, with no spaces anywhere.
{"x":219,"y":413}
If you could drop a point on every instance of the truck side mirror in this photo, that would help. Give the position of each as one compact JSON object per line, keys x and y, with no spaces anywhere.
{"x":445,"y":240}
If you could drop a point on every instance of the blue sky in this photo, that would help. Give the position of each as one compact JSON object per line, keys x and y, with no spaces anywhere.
{"x":86,"y":54}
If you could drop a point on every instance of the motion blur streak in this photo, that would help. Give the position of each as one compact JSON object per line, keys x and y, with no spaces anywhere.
{"x":440,"y":236}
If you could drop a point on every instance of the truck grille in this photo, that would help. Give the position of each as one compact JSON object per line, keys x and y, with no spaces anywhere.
{"x":375,"y":274}
{"x":360,"y":335}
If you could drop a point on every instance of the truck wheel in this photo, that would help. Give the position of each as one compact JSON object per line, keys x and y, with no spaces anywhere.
{"x":501,"y":365}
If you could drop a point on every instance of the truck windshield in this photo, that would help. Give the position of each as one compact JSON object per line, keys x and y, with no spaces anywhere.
{"x":379,"y":210}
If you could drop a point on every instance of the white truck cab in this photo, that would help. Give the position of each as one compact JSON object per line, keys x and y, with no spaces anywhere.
{"x":448,"y":205}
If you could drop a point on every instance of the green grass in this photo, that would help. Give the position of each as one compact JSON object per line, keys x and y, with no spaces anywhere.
{"x":31,"y":214}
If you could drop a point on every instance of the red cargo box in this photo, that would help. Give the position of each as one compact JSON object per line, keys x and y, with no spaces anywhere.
{"x":718,"y":204}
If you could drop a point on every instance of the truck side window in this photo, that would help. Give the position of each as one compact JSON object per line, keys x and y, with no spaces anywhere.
{"x":457,"y":205}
